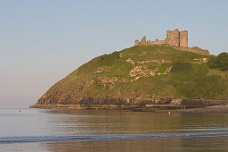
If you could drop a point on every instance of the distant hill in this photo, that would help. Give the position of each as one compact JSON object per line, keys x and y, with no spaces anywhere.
{"x":137,"y":77}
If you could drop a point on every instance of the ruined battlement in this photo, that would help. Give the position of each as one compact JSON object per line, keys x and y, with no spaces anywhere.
{"x":174,"y":38}
{"x":177,"y":39}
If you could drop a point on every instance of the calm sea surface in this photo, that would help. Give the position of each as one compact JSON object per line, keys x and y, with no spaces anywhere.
{"x":43,"y":130}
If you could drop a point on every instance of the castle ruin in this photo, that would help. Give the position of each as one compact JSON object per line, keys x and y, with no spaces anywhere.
{"x":177,"y":39}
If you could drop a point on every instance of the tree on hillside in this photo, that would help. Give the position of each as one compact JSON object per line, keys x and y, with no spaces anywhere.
{"x":223,"y":61}
{"x":220,"y":62}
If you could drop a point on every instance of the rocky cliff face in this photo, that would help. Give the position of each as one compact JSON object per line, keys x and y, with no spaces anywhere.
{"x":137,"y":77}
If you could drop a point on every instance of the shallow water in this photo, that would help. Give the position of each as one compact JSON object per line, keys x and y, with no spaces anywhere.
{"x":81,"y":130}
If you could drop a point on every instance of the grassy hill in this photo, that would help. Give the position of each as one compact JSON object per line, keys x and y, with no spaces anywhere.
{"x":138,"y":75}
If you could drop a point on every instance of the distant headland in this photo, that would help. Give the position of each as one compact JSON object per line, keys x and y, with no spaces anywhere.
{"x":152,"y":75}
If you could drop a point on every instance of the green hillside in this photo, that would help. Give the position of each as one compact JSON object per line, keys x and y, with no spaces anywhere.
{"x":139,"y":75}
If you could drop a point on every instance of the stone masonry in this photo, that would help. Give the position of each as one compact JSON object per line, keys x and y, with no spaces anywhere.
{"x":174,"y":38}
{"x":177,"y":39}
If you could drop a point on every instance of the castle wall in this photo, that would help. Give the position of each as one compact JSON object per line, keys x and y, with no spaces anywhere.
{"x":157,"y":42}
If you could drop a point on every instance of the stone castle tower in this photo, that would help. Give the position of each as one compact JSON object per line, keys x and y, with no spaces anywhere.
{"x":177,"y":38}
{"x":184,"y":38}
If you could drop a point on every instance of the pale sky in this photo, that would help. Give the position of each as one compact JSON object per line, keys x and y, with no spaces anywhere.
{"x":42,"y":41}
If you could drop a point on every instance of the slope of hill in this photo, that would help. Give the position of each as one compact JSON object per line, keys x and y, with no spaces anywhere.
{"x":138,"y":77}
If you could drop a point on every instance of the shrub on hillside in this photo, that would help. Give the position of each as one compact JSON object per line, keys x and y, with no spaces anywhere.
{"x":219,"y":62}
{"x":181,"y":67}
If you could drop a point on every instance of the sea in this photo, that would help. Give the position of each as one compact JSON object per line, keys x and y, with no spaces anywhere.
{"x":61,"y":130}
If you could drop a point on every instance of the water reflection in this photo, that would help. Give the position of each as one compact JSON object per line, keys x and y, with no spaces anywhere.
{"x":114,"y":122}
{"x":38,"y":123}
{"x":122,"y":122}
{"x":76,"y":122}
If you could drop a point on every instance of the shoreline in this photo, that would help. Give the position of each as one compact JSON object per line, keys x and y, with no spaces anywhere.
{"x":223,"y":108}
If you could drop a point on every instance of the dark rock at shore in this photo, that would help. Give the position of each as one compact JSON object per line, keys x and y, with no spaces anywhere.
{"x":145,"y":105}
